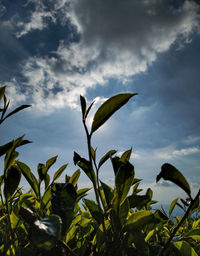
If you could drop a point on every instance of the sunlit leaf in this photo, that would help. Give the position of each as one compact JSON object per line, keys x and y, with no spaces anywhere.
{"x":108,"y":192}
{"x":172,"y":205}
{"x":106,"y":157}
{"x":108,"y":108}
{"x":4,"y":148}
{"x":50,"y":162}
{"x":171,"y":173}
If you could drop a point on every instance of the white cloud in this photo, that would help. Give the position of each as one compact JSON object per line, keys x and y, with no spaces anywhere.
{"x":169,"y":153}
{"x":117,"y":41}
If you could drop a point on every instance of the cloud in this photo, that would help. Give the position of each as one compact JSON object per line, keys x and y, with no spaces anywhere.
{"x":117,"y":41}
{"x":170,"y":153}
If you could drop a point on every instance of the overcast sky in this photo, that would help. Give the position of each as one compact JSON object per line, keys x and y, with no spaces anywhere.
{"x":53,"y":51}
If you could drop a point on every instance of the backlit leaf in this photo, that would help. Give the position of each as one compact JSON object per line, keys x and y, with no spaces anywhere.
{"x":59,"y":172}
{"x":94,"y":210}
{"x":172,"y":205}
{"x":108,"y":108}
{"x":2,"y":91}
{"x":12,"y":179}
{"x":106,"y":157}
{"x":171,"y":173}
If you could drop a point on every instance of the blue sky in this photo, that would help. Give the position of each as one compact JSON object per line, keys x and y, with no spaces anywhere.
{"x":53,"y":51}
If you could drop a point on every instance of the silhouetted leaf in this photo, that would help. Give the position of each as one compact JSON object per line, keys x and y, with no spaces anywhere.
{"x":30,"y":177}
{"x":126,"y":156}
{"x":17,"y":110}
{"x":4,"y":148}
{"x":172,"y":205}
{"x":2,"y":91}
{"x":108,"y":108}
{"x":75,"y":176}
{"x":41,"y":169}
{"x":50,"y":162}
{"x":12,"y":179}
{"x":106,"y":157}
{"x":169,"y":172}
{"x":58,"y":173}
{"x":83,"y":106}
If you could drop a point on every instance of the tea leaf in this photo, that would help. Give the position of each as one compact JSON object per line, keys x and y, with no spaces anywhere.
{"x":94,"y":210}
{"x":12,"y":179}
{"x":83,"y":106}
{"x":50,"y":162}
{"x":108,"y":108}
{"x":30,"y":177}
{"x":59,"y":172}
{"x":169,"y":172}
{"x":75,"y":176}
{"x":108,"y":192}
{"x":2,"y":91}
{"x":106,"y":157}
{"x":184,"y":248}
{"x":172,"y":205}
{"x":17,"y":110}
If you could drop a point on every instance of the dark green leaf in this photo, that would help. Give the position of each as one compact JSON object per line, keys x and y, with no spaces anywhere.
{"x":46,"y":232}
{"x":47,"y":180}
{"x":75,"y":176}
{"x":184,"y":248}
{"x":82,"y":192}
{"x":28,"y":215}
{"x":63,"y":201}
{"x":172,"y":205}
{"x":4,"y":148}
{"x":85,"y":166}
{"x":108,"y":108}
{"x":94,"y":210}
{"x":17,"y":110}
{"x":26,"y":171}
{"x":12,"y":179}
{"x":108,"y":192}
{"x":138,"y":201}
{"x":93,"y":153}
{"x":83,"y":106}
{"x":59,"y":172}
{"x":106,"y":157}
{"x":41,"y":169}
{"x":169,"y":172}
{"x":124,"y":180}
{"x":126,"y":156}
{"x":50,"y":162}
{"x":88,"y":110}
{"x":2,"y":91}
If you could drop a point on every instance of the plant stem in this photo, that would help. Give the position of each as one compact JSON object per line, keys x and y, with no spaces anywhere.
{"x":179,"y":224}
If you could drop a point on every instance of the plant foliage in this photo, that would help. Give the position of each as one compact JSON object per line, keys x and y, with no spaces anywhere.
{"x":54,"y":218}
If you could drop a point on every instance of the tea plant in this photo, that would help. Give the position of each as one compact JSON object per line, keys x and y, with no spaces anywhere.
{"x":48,"y":219}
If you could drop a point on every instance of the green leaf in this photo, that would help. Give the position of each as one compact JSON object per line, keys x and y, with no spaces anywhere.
{"x":94,"y":210}
{"x":4,"y":148}
{"x":108,"y":192}
{"x":88,"y":110}
{"x":138,"y":201}
{"x":75,"y":176}
{"x":41,"y":169}
{"x":63,"y":201}
{"x":50,"y":162}
{"x":28,"y":215}
{"x":184,"y":248}
{"x":138,"y":220}
{"x":169,"y":172}
{"x":12,"y":179}
{"x":83,"y":106}
{"x":30,"y":177}
{"x":82,"y":192}
{"x":17,"y":110}
{"x":108,"y":108}
{"x":126,"y":156}
{"x":85,"y":166}
{"x":46,"y":232}
{"x":172,"y":205}
{"x":106,"y":157}
{"x":2,"y":91}
{"x":124,"y":180}
{"x":59,"y":172}
{"x":93,"y":153}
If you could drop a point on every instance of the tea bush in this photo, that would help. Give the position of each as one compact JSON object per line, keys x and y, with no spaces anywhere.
{"x":60,"y":220}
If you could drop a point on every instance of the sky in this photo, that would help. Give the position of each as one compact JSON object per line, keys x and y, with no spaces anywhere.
{"x":51,"y":52}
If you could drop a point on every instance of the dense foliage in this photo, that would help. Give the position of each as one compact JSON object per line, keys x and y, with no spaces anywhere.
{"x":55,"y":218}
